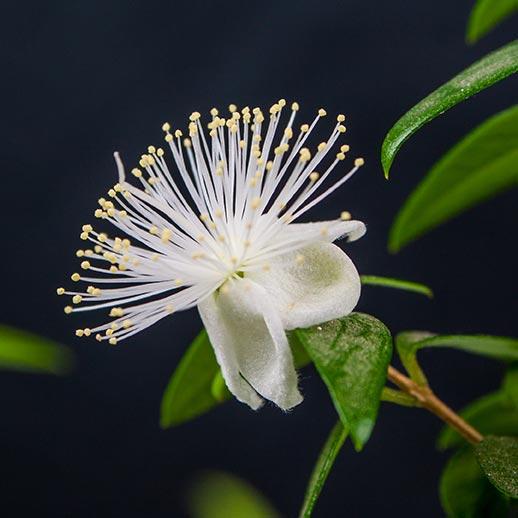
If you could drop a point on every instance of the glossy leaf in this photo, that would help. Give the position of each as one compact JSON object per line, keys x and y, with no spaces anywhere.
{"x":497,"y":347}
{"x":477,"y":168}
{"x":197,"y":385}
{"x":27,"y":352}
{"x":489,"y":70}
{"x":322,"y":468}
{"x":221,"y":495}
{"x":491,"y":414}
{"x":465,"y":492}
{"x":486,"y":14}
{"x":399,"y":284}
{"x":189,"y":391}
{"x":498,"y":458}
{"x":351,"y":355}
{"x":510,"y":386}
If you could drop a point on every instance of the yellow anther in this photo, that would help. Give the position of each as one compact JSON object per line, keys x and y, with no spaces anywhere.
{"x":304,"y":128}
{"x":232,"y":108}
{"x":159,"y":152}
{"x":136,"y":172}
{"x":255,"y":202}
{"x":218,"y":213}
{"x":340,"y":118}
{"x":322,"y":146}
{"x":166,"y":235}
{"x":87,"y":228}
{"x":178,"y":282}
{"x":299,"y":259}
{"x":295,"y":107}
{"x":187,"y":142}
{"x":166,"y":126}
{"x":99,"y":213}
{"x":359,"y":162}
{"x":344,"y":148}
{"x":341,"y":128}
{"x":80,"y":253}
{"x":76,"y":299}
{"x":79,"y":332}
{"x":274,"y":108}
{"x":98,"y":249}
{"x":214,"y":112}
{"x":305,"y":155}
{"x":90,"y":290}
{"x":194,"y":116}
{"x":88,"y":252}
{"x":109,"y":332}
{"x":281,"y":103}
{"x":98,"y":337}
{"x":168,"y":137}
{"x":345,"y":215}
{"x":117,"y":187}
{"x":126,"y":243}
{"x":151,"y":149}
{"x":102,"y":237}
{"x":127,"y":323}
{"x":116,"y":312}
{"x":60,"y":291}
{"x":113,"y":340}
{"x":169,"y":308}
{"x":113,"y":269}
{"x":68,"y":310}
{"x":75,"y":277}
{"x":85,"y":265}
{"x":340,"y":156}
{"x":96,"y":292}
{"x":87,"y":331}
{"x":314,"y":176}
{"x":112,"y":193}
{"x":178,"y":133}
{"x":322,"y":112}
{"x":288,"y":133}
{"x":84,"y":236}
{"x":269,"y":165}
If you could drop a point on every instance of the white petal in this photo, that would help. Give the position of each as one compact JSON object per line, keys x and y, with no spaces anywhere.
{"x":249,"y":342}
{"x":311,"y":285}
{"x":331,"y":230}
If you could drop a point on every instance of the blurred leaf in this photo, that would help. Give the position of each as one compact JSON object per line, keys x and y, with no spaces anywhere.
{"x":497,"y":347}
{"x":221,"y":495}
{"x":399,"y":284}
{"x":486,"y":14}
{"x":197,"y":385}
{"x":189,"y":391}
{"x":465,"y":492}
{"x":491,"y":414}
{"x":510,"y":387}
{"x":27,"y":352}
{"x":489,"y":70}
{"x":351,"y":355}
{"x":477,"y":168}
{"x":323,"y":467}
{"x":498,"y":458}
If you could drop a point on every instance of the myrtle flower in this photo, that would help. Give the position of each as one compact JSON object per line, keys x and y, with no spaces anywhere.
{"x":226,"y":239}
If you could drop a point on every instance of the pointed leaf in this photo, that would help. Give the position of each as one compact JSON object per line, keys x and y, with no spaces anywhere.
{"x":323,"y":467}
{"x":486,"y":14}
{"x":399,"y":284}
{"x":465,"y":492}
{"x":23,"y":351}
{"x":351,"y":355}
{"x":489,"y":70}
{"x":477,"y":168}
{"x":498,"y":458}
{"x":197,"y":385}
{"x":491,"y":414}
{"x":221,"y":495}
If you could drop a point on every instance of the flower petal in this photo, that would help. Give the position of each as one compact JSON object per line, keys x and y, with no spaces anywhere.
{"x":311,"y":285}
{"x":331,"y":230}
{"x":250,"y":344}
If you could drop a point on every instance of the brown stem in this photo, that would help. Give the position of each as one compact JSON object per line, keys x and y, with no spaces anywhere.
{"x":427,"y":399}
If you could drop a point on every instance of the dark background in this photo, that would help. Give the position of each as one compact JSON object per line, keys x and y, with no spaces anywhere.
{"x":82,"y":79}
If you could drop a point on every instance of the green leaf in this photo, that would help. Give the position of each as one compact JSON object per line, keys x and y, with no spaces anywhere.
{"x":486,"y":14}
{"x":497,"y":347}
{"x":498,"y":458}
{"x":491,"y":414}
{"x":197,"y":385}
{"x":220,"y":495}
{"x":351,"y":355}
{"x":477,"y":168}
{"x":323,"y":467}
{"x":510,"y":386}
{"x":27,"y":352}
{"x":189,"y":391}
{"x":465,"y":492}
{"x":399,"y":284}
{"x":489,"y":70}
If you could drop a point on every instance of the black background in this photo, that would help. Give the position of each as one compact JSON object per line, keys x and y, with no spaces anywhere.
{"x":82,"y":79}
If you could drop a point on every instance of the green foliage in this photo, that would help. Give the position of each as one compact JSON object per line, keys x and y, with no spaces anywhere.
{"x":498,"y":458}
{"x":478,"y":167}
{"x":492,"y":68}
{"x":493,"y":413}
{"x":465,"y":492}
{"x":189,"y":391}
{"x":351,"y":355}
{"x":323,"y":467}
{"x":486,"y":14}
{"x":27,"y":352}
{"x":399,"y":284}
{"x":220,"y":495}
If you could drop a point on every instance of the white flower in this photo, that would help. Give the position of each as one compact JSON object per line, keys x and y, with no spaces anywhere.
{"x":226,"y":241}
